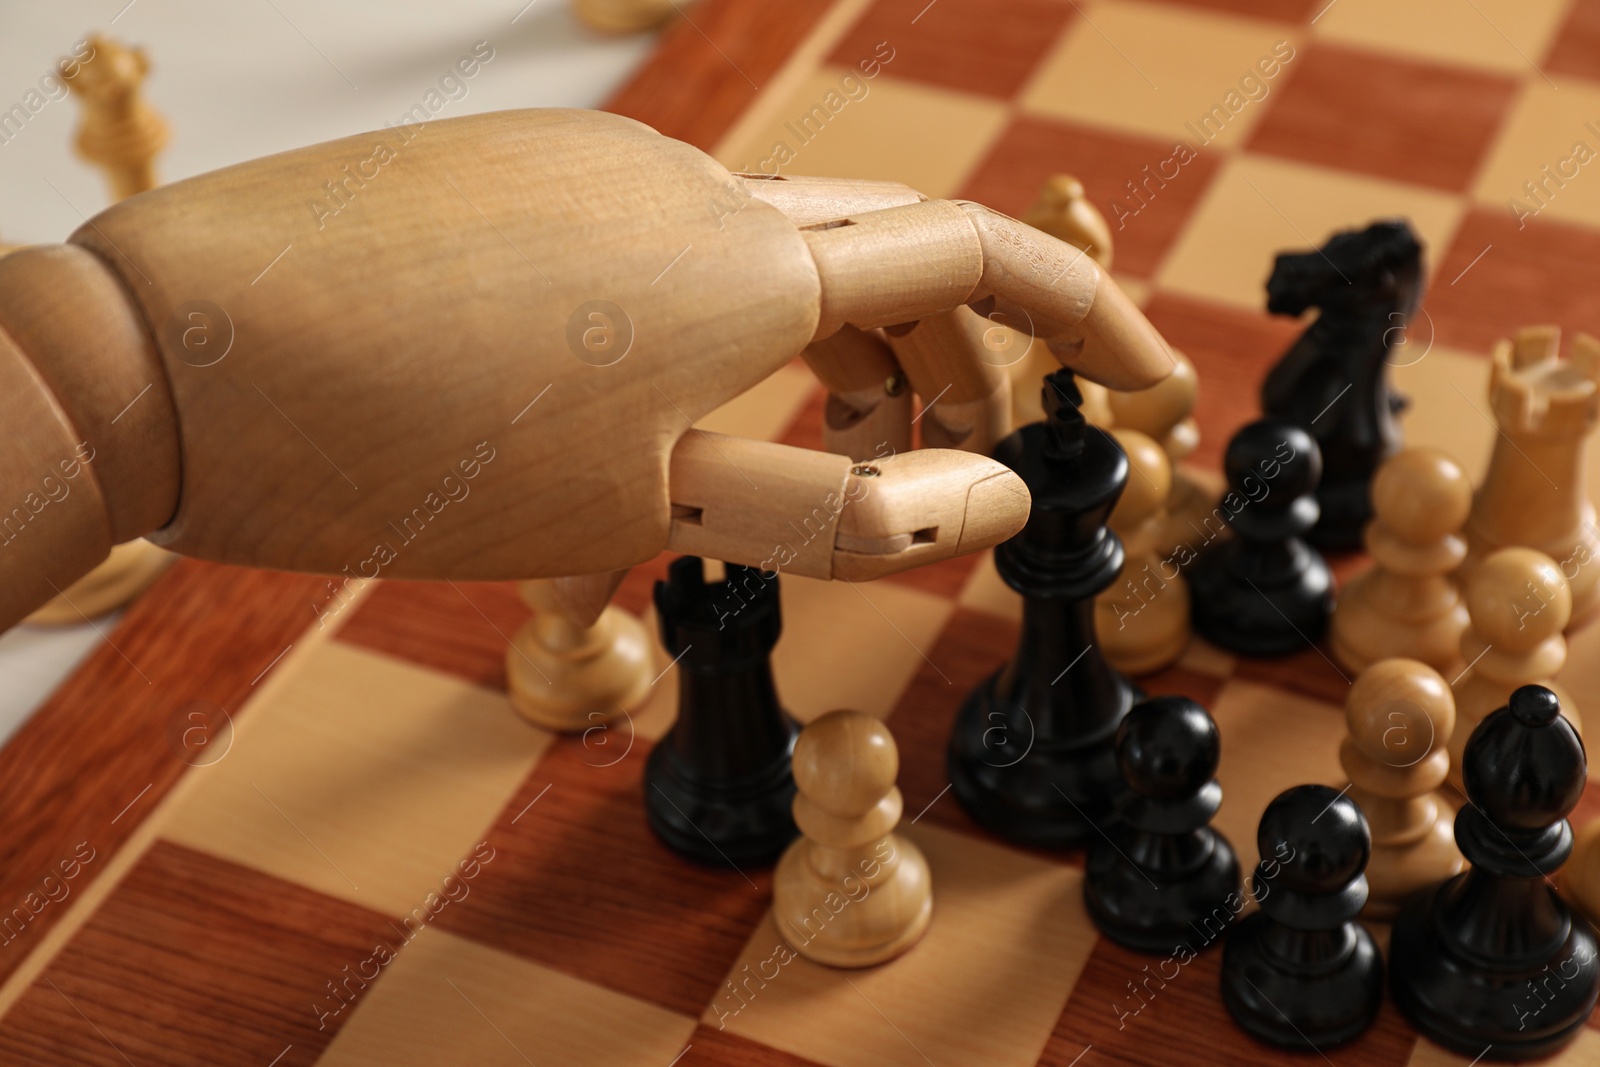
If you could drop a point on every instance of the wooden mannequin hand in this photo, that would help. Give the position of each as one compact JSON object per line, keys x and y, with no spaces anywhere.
{"x":474,"y":349}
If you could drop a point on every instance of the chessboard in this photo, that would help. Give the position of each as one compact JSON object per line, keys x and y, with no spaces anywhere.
{"x":273,"y":821}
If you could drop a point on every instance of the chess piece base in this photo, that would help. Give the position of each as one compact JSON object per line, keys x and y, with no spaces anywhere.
{"x":1360,"y":634}
{"x":1160,"y":916}
{"x":1467,"y":1010}
{"x":1023,"y":789}
{"x":743,"y":824}
{"x":1396,"y":872}
{"x":1330,"y":1006}
{"x":1259,"y":620}
{"x":132,"y":567}
{"x":865,"y":930}
{"x":567,"y":690}
{"x":1143,"y":636}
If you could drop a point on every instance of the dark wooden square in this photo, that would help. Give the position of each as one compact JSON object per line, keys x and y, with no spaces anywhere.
{"x":1032,"y":149}
{"x":195,"y":960}
{"x":1386,"y":116}
{"x":580,"y":884}
{"x":976,"y":46}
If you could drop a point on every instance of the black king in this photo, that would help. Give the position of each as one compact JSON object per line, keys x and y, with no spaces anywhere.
{"x":1032,"y":756}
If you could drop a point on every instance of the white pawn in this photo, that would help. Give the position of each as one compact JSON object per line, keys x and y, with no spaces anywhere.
{"x":1400,"y":717}
{"x":1407,"y":604}
{"x":1065,"y":212}
{"x":1165,"y":413}
{"x":571,"y":668}
{"x":1519,"y":603}
{"x":1580,"y":878}
{"x":849,"y":892}
{"x":1142,"y":620}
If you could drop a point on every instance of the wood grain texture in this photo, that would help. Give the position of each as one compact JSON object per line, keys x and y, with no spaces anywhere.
{"x":710,"y":66}
{"x":107,"y":745}
{"x":603,"y":203}
{"x":1381,"y":115}
{"x":971,"y":45}
{"x":230,"y":963}
{"x":710,"y":1047}
{"x":971,"y":646}
{"x":945,"y":578}
{"x":1576,"y":48}
{"x":1180,"y":1020}
{"x":1544,"y":271}
{"x":1286,"y":10}
{"x":464,"y":628}
{"x":651,"y":925}
{"x":662,"y":925}
{"x":350,"y":463}
{"x":460,"y":628}
{"x":1143,"y":227}
{"x":1310,"y":672}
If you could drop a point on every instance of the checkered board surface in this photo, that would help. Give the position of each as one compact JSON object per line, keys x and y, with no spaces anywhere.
{"x":372,"y":818}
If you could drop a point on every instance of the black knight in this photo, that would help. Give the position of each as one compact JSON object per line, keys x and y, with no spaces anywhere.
{"x":1333,"y":380}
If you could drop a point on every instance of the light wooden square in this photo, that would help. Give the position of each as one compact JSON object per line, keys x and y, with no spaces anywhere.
{"x":985,"y":985}
{"x":1543,"y":128}
{"x":986,"y":591}
{"x":1583,"y":1052}
{"x":448,"y":1000}
{"x":1449,"y":399}
{"x":1153,"y":68}
{"x":853,"y":644}
{"x":899,"y":130}
{"x":1508,"y":36}
{"x":1203,"y":657}
{"x":361,"y":777}
{"x":1271,"y":740}
{"x":1257,"y":207}
{"x":1581,"y":679}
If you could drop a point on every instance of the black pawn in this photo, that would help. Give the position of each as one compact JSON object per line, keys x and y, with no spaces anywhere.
{"x":1031,"y":757}
{"x":1163,"y":877}
{"x":1264,"y":591}
{"x":718,"y":786}
{"x":1301,"y":972}
{"x":1493,"y":963}
{"x":1334,"y":380}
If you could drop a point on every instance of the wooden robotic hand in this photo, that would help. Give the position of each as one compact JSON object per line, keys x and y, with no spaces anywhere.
{"x":474,"y":349}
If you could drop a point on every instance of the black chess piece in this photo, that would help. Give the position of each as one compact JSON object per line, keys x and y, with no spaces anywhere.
{"x":718,"y":787}
{"x":1492,"y":963}
{"x":1302,"y":972}
{"x":1162,"y":877}
{"x":1264,"y":591}
{"x":1334,"y":380}
{"x":1031,"y":757}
